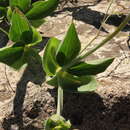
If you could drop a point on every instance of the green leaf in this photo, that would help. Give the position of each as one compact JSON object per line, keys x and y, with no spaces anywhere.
{"x":91,"y":67}
{"x":69,"y":47}
{"x":9,"y":13}
{"x":16,"y":57}
{"x":36,"y":23}
{"x":20,"y":29}
{"x":4,"y":3}
{"x":56,"y":122}
{"x":41,"y":9}
{"x":50,"y":65}
{"x":36,"y":37}
{"x":77,"y":84}
{"x":13,"y":57}
{"x":53,"y":81}
{"x":3,"y":11}
{"x":30,"y":40}
{"x":31,"y":55}
{"x":23,"y":5}
{"x":89,"y":84}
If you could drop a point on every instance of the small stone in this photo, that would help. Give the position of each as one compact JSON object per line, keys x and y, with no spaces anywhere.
{"x":14,"y":127}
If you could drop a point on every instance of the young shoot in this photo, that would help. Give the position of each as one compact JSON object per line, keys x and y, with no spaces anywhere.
{"x":67,"y":70}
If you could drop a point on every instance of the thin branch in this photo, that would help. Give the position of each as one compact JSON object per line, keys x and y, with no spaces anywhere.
{"x":104,"y":21}
{"x":108,"y":38}
{"x":9,"y":87}
{"x":2,"y":30}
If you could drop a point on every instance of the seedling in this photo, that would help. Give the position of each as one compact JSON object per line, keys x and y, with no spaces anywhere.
{"x":67,"y":71}
{"x":78,"y":77}
{"x":65,"y":68}
{"x":23,"y":16}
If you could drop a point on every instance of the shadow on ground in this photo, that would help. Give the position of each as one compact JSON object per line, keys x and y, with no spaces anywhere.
{"x":90,"y":112}
{"x":95,"y":18}
{"x":3,"y":37}
{"x":34,"y":73}
{"x":87,"y":112}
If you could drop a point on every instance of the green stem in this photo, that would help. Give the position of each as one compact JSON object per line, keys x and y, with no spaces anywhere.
{"x":2,"y":30}
{"x":103,"y":21}
{"x":108,"y":38}
{"x":60,"y":101}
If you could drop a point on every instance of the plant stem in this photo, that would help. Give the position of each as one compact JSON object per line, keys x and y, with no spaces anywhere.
{"x":2,"y":30}
{"x":108,"y":38}
{"x":60,"y":101}
{"x":103,"y":21}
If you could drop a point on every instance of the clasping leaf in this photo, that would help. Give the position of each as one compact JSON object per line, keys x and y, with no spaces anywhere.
{"x":76,"y":84}
{"x":19,"y":27}
{"x":90,"y":67}
{"x":72,"y":83}
{"x":50,"y":64}
{"x":69,"y":47}
{"x":23,"y":5}
{"x":22,"y":32}
{"x":12,"y":56}
{"x":41,"y":9}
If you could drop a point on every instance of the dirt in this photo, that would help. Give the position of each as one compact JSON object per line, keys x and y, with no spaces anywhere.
{"x":32,"y":101}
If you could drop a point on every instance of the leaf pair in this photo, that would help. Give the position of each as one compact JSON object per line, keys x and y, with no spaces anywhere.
{"x":16,"y":57}
{"x":77,"y":78}
{"x":59,"y":53}
{"x":23,"y":35}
